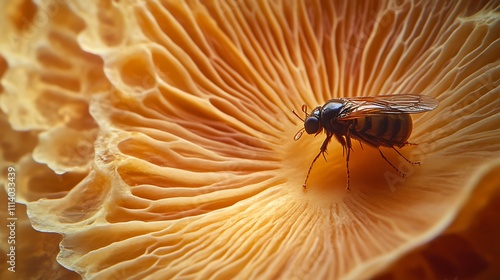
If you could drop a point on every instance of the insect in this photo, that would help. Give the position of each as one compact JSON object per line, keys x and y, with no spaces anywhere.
{"x":379,"y":121}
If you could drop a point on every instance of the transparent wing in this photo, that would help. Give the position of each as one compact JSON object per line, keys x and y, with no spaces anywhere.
{"x":358,"y":107}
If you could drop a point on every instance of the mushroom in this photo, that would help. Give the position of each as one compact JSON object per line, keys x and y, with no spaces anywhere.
{"x":190,"y":169}
{"x":468,"y":248}
{"x":47,"y":80}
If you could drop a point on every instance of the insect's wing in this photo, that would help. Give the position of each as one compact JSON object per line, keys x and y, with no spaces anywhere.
{"x":358,"y":107}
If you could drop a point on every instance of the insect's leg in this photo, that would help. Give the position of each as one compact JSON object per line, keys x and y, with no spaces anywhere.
{"x":409,"y":161}
{"x":310,"y":167}
{"x":360,"y":144}
{"x":395,"y":168}
{"x":348,"y":148}
{"x":321,"y":151}
{"x":342,"y":142}
{"x":324,"y":146}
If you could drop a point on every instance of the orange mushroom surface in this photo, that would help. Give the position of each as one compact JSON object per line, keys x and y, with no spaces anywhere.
{"x":157,"y":137}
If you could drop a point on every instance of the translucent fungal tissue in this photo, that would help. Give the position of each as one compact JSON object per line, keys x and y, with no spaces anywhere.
{"x":159,"y":136}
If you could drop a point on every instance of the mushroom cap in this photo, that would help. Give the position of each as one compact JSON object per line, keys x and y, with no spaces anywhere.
{"x":181,"y":150}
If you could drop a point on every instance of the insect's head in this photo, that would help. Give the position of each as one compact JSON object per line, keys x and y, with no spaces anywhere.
{"x":312,"y":122}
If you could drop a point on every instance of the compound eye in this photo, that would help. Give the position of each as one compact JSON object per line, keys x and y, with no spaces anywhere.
{"x":311,"y":125}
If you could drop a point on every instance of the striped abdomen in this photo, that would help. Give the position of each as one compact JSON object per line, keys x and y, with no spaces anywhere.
{"x":383,"y":130}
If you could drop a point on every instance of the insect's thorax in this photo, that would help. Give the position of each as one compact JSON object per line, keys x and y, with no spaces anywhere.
{"x":329,"y":114}
{"x":383,"y":129}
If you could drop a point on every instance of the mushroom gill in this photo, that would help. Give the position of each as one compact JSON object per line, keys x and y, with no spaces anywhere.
{"x":186,"y":164}
{"x":469,"y":247}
